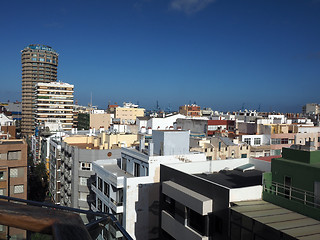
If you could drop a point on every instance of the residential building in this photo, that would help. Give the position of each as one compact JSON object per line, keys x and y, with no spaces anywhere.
{"x":13,"y":179}
{"x":311,"y":108}
{"x":76,"y":172}
{"x":198,"y":126}
{"x":128,"y":113}
{"x":39,"y":64}
{"x":294,"y":180}
{"x":225,"y":148}
{"x":130,"y":188}
{"x":195,"y":197}
{"x":54,"y":103}
{"x":192,"y":110}
{"x":98,"y":119}
{"x":13,"y":168}
{"x":290,"y":209}
{"x":219,"y":126}
{"x":260,"y":144}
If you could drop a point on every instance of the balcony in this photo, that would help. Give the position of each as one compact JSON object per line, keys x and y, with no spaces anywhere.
{"x":295,"y":199}
{"x":57,"y":221}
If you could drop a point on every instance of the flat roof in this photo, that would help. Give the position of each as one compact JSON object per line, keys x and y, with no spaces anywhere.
{"x":234,"y":178}
{"x":114,"y":168}
{"x":291,"y":223}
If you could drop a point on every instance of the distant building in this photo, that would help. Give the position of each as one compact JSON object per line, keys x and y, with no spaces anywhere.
{"x":128,"y":113}
{"x":311,"y":108}
{"x":192,"y":110}
{"x":99,"y":119}
{"x":39,"y":64}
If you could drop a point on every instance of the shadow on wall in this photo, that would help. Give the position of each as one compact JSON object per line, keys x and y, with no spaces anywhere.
{"x":147,"y":210}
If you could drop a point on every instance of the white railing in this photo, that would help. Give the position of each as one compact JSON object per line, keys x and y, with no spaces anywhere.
{"x":292,"y":193}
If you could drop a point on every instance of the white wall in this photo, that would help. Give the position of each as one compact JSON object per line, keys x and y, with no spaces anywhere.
{"x":245,"y":193}
{"x":163,"y":123}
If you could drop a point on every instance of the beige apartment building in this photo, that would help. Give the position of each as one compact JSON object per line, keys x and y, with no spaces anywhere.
{"x":98,"y":120}
{"x":39,"y":64}
{"x":128,"y":113}
{"x":54,"y":104}
{"x":104,"y":140}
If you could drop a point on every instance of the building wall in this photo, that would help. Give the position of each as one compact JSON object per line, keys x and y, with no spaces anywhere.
{"x":14,"y":172}
{"x":128,"y":115}
{"x":170,"y":142}
{"x":196,"y":126}
{"x":100,"y":119}
{"x":165,"y":123}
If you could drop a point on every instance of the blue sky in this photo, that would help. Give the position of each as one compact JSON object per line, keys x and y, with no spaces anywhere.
{"x":217,"y":53}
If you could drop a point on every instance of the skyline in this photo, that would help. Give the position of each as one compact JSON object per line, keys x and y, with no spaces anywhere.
{"x":220,"y":54}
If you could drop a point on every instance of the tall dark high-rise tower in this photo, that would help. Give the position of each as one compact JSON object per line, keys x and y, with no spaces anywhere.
{"x":39,"y":64}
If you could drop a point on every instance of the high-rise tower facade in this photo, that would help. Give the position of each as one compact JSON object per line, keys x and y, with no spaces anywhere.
{"x":39,"y":64}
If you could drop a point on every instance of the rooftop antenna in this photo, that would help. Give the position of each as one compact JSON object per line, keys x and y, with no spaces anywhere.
{"x":91,"y":100}
{"x":242,"y":108}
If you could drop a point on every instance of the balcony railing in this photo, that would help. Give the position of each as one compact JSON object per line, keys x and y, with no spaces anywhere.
{"x":58,"y":221}
{"x":292,"y":193}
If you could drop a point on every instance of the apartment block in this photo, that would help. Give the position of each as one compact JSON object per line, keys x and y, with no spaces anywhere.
{"x":195,"y":197}
{"x":54,"y":103}
{"x":129,"y":188}
{"x":192,"y":110}
{"x":128,"y":113}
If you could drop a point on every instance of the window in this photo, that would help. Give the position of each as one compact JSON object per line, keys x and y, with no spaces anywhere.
{"x":2,"y":177}
{"x":14,"y":155}
{"x":2,"y":191}
{"x":106,"y":209}
{"x":83,"y":196}
{"x":83,"y":181}
{"x":34,"y":59}
{"x":99,"y":205}
{"x":13,"y":172}
{"x":106,"y":189}
{"x":3,"y":156}
{"x":247,"y":141}
{"x":275,"y":141}
{"x":257,"y":141}
{"x":18,"y":188}
{"x":41,"y":59}
{"x":100,"y":184}
{"x":85,"y":166}
{"x":196,"y":221}
{"x":169,"y":205}
{"x":244,"y":155}
{"x":136,"y":170}
{"x":212,"y":128}
{"x":284,"y":140}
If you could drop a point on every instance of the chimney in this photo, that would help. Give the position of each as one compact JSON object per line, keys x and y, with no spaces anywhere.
{"x":150,"y":149}
{"x":142,"y":144}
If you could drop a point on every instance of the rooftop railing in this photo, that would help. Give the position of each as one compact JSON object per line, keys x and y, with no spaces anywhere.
{"x":57,"y":222}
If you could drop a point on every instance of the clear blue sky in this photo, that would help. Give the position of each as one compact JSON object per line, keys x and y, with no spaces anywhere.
{"x":220,"y":53}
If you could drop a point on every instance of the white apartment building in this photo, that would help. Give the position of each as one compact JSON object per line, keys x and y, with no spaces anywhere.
{"x":54,"y":103}
{"x":130,"y":188}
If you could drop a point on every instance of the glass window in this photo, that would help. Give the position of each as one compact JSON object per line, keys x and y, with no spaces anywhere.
{"x":100,"y":184}
{"x":83,"y":181}
{"x":13,"y":172}
{"x":83,"y":196}
{"x":41,"y":59}
{"x":196,"y":221}
{"x":85,"y":166}
{"x":106,"y":189}
{"x":247,"y":141}
{"x":257,"y":141}
{"x":34,"y":59}
{"x":14,"y":155}
{"x":99,"y":205}
{"x":18,"y":188}
{"x":2,"y":175}
{"x":2,"y":191}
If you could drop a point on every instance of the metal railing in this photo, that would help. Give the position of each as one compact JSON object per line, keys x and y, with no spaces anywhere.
{"x":59,"y":221}
{"x":292,"y":193}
